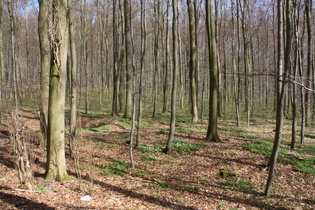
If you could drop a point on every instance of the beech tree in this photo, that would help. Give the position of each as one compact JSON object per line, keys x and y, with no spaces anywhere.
{"x":56,"y":163}
{"x":192,"y":63}
{"x":283,"y":68}
{"x":168,"y":148}
{"x":212,"y":133}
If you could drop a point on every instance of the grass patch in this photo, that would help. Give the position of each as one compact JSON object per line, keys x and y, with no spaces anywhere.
{"x":108,"y":145}
{"x":192,"y":189}
{"x":241,"y":184}
{"x":185,"y":148}
{"x":147,"y":124}
{"x":309,"y":135}
{"x":146,"y":157}
{"x":101,"y":128}
{"x":164,"y":185}
{"x":117,"y":167}
{"x":247,"y":136}
{"x":184,"y":130}
{"x":124,"y":123}
{"x":264,"y":147}
{"x":150,"y":149}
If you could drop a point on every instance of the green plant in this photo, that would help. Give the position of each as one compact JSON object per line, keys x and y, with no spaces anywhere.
{"x":192,"y":189}
{"x":184,"y":147}
{"x":38,"y":189}
{"x":184,"y":130}
{"x":150,"y":149}
{"x":101,"y":128}
{"x":247,"y":136}
{"x":241,"y":184}
{"x":162,"y":184}
{"x":145,"y":157}
{"x":115,"y":168}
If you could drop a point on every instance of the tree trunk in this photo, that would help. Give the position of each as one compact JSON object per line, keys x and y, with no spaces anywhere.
{"x":167,"y":54}
{"x":56,"y":163}
{"x":281,"y":87}
{"x":192,"y":64}
{"x":73,"y":100}
{"x":13,"y":56}
{"x":1,"y":59}
{"x":168,"y":148}
{"x":128,"y":53}
{"x":212,"y":133}
{"x":156,"y":54}
{"x":116,"y":73}
{"x":142,"y":62}
{"x":310,"y":60}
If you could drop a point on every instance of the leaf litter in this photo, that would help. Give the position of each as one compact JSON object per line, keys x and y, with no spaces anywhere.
{"x":189,"y":180}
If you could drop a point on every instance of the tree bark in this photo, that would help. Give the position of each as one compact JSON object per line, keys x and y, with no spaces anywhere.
{"x":212,"y":133}
{"x":1,"y":58}
{"x":281,"y":87}
{"x":73,"y":100}
{"x":168,"y":148}
{"x":142,"y":62}
{"x":128,"y":53}
{"x":56,"y":163}
{"x":192,"y":63}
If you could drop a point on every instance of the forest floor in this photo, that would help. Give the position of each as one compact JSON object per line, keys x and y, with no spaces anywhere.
{"x":197,"y":175}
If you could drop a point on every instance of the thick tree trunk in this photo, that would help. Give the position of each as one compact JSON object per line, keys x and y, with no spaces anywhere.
{"x":56,"y":163}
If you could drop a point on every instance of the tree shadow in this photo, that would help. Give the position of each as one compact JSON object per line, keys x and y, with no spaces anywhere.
{"x":140,"y":196}
{"x":4,"y":159}
{"x":236,"y":160}
{"x":22,"y":203}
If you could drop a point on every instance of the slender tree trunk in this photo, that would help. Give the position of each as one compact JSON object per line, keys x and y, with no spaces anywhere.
{"x":128,"y":52}
{"x":116,"y":73}
{"x":168,"y":148}
{"x":156,"y":54}
{"x":192,"y":63}
{"x":212,"y":134}
{"x":281,"y":87}
{"x":13,"y":55}
{"x":73,"y":100}
{"x":1,"y":59}
{"x":295,"y":73}
{"x":310,"y":61}
{"x":167,"y":55}
{"x":56,"y":162}
{"x":143,"y":52}
{"x":235,"y":78}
